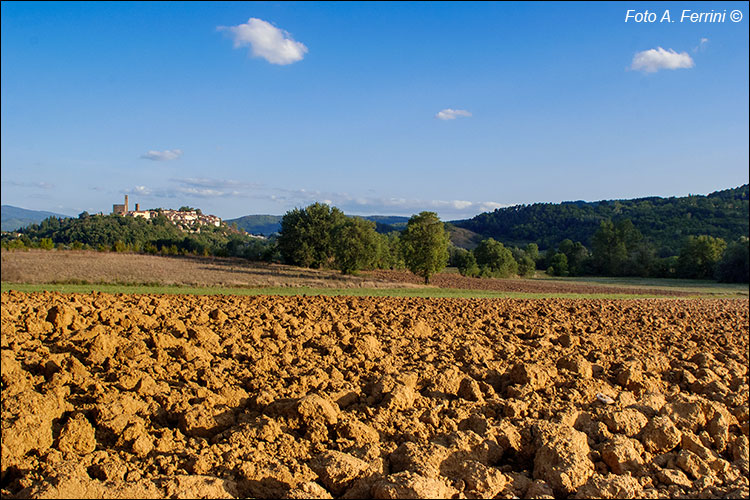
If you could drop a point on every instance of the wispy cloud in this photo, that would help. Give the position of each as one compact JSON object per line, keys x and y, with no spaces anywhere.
{"x":166,"y":155}
{"x":701,"y":45}
{"x":214,"y":188}
{"x":267,"y":41}
{"x":204,"y":182}
{"x":451,"y":114}
{"x":652,"y":60}
{"x":372,"y":205}
{"x":41,"y":184}
{"x":198,"y":188}
{"x":184,"y":189}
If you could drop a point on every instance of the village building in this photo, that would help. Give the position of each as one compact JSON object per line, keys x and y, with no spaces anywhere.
{"x":187,"y":220}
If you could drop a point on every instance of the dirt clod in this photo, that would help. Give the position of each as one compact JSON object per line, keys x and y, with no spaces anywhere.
{"x":319,"y":397}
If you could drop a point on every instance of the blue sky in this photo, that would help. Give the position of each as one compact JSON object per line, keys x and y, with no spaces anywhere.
{"x":376,"y":108}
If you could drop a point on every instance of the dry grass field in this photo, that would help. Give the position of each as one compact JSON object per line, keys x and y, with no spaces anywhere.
{"x":40,"y":266}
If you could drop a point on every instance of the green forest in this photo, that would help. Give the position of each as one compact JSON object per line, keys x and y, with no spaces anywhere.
{"x":664,"y":222}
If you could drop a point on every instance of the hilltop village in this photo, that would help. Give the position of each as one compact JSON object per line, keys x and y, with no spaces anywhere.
{"x":187,"y":220}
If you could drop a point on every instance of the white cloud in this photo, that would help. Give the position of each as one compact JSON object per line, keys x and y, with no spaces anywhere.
{"x":489,"y":206}
{"x":267,"y":41}
{"x":652,"y":60}
{"x":460,"y":204}
{"x":142,"y":190}
{"x":451,"y":114}
{"x":166,"y":155}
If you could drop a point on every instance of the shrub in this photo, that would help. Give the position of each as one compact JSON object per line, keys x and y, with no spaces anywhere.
{"x":494,"y":259}
{"x":46,"y":244}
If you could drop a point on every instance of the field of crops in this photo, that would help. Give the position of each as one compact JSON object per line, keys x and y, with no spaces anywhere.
{"x":318,"y":397}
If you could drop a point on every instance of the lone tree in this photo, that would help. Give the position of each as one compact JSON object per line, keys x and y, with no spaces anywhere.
{"x":425,"y":245}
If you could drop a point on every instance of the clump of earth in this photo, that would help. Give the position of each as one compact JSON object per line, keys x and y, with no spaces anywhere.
{"x":159,"y":396}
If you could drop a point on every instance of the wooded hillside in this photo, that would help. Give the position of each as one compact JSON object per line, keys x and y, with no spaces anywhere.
{"x":665,"y":222}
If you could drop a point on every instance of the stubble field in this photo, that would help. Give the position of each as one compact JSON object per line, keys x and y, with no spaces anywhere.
{"x":72,"y":266}
{"x":319,"y":397}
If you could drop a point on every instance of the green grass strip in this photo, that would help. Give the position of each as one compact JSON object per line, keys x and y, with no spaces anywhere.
{"x":355,"y":292}
{"x":698,"y":286}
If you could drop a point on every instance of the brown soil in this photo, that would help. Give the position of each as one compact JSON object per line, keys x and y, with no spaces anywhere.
{"x":453,"y":280}
{"x":317,"y":397}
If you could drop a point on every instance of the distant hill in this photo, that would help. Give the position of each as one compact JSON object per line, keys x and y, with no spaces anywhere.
{"x":390,"y":220}
{"x":463,"y":238}
{"x":665,"y":222}
{"x":385,"y":224}
{"x":269,"y":224}
{"x":13,"y":218}
{"x":257,"y":224}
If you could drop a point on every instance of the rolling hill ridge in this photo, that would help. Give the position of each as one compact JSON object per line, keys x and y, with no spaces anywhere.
{"x":665,"y":222}
{"x":13,"y":218}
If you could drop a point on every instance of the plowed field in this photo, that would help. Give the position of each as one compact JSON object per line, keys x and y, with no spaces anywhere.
{"x":319,"y":397}
{"x":456,"y":281}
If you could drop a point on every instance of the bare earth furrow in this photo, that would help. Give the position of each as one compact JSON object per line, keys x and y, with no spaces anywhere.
{"x":319,"y":397}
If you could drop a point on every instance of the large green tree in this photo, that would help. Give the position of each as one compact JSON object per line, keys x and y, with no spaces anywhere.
{"x":619,"y":249}
{"x":699,"y":257}
{"x":609,"y":249}
{"x":526,"y":266}
{"x":558,"y":265}
{"x":734,"y":266}
{"x":576,"y":254}
{"x":306,"y":235}
{"x":356,"y":245}
{"x":424,"y":243}
{"x":465,"y":262}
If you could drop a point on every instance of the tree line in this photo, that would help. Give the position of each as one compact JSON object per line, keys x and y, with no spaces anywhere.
{"x":321,"y":236}
{"x":135,"y":234}
{"x":619,"y":249}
